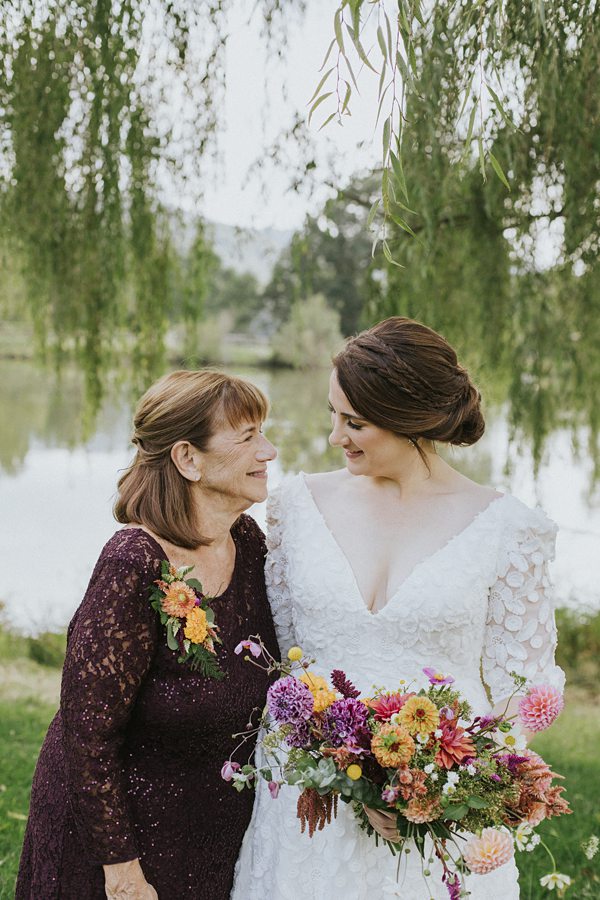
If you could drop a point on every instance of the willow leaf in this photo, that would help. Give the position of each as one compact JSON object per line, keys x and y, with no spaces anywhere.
{"x":317,"y":103}
{"x":373,"y":212}
{"x":501,"y":110}
{"x":321,"y":83}
{"x":481,"y":157}
{"x":360,"y":49}
{"x":337,"y":27}
{"x":381,"y":40}
{"x":498,"y":170}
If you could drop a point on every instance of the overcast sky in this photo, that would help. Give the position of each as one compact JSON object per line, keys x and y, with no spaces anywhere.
{"x":248,"y":121}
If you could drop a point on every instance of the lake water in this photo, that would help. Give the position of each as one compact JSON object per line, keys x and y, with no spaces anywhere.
{"x":57,"y":486}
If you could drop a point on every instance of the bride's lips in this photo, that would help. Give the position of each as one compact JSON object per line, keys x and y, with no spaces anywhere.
{"x":353,"y":454}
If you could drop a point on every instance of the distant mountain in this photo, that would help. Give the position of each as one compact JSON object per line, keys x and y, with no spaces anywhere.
{"x":249,"y":250}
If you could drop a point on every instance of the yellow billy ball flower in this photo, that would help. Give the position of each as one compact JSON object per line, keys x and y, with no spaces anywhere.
{"x":354,"y":772}
{"x":196,"y":628}
{"x":319,"y":688}
{"x":295,"y":654}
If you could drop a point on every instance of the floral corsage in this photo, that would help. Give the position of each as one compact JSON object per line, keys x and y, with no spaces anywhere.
{"x":189,"y":620}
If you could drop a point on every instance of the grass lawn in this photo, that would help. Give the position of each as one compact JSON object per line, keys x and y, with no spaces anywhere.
{"x":28,"y":699}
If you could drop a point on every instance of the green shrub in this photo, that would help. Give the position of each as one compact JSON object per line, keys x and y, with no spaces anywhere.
{"x":310,"y":337}
{"x":47,"y":649}
{"x":578,"y":651}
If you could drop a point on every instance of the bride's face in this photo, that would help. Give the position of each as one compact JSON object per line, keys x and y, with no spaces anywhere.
{"x":369,"y":450}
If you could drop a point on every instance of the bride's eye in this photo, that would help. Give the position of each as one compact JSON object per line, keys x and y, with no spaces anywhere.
{"x":354,"y":427}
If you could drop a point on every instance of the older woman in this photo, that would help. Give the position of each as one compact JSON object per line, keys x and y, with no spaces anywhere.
{"x":127,"y":798}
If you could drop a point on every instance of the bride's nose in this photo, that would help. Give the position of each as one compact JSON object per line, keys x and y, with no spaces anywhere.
{"x":337,"y":438}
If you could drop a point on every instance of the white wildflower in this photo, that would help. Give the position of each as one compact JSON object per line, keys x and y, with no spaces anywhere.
{"x":590,"y":847}
{"x":555,"y":880}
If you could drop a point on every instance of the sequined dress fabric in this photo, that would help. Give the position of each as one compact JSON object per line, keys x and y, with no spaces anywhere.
{"x":479,"y":606}
{"x":131,"y":763}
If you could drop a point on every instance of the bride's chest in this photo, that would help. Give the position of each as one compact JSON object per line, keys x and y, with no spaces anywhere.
{"x":441,"y":589}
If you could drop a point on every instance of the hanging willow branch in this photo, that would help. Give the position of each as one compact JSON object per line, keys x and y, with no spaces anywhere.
{"x":482,"y":66}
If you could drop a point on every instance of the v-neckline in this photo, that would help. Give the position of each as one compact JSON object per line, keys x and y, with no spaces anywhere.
{"x":451,"y":540}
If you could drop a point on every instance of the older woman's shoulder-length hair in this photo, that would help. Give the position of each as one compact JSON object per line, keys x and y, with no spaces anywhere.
{"x":181,"y":406}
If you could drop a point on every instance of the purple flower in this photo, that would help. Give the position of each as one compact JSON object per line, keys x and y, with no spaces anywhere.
{"x":512,"y":761}
{"x":342,"y":685}
{"x":390,"y":794}
{"x":436,"y":677}
{"x":346,"y":723}
{"x":229,"y":769}
{"x":299,"y":736}
{"x":447,"y":713}
{"x":289,"y":701}
{"x":253,"y":647}
{"x":453,"y":884}
{"x":495,"y":777}
{"x":274,"y":787}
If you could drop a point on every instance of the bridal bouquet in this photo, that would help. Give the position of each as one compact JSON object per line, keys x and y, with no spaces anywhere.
{"x":468,"y":783}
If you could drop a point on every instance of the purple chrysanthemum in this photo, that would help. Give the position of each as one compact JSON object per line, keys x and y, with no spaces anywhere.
{"x":342,"y":685}
{"x":512,"y":761}
{"x":300,"y":736}
{"x":346,"y":723}
{"x":289,"y":701}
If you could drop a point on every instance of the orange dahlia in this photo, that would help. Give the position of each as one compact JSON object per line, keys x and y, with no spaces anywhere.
{"x":196,"y":628}
{"x":455,"y":746}
{"x":419,"y":715}
{"x":489,"y":851}
{"x":392,"y":746}
{"x":179,"y":600}
{"x":323,"y":695}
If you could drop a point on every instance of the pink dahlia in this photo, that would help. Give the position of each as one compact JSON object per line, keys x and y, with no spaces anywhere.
{"x":385,"y":705}
{"x":489,"y":851}
{"x":541,"y":706}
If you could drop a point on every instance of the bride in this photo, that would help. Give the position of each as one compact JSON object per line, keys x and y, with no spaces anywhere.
{"x":395,"y":563}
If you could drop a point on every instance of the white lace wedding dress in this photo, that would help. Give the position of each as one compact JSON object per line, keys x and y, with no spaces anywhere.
{"x":479,"y":605}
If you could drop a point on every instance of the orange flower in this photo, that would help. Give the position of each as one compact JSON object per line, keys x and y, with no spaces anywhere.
{"x":323,"y":695}
{"x":180,"y":599}
{"x":489,"y":851}
{"x":422,"y":810}
{"x":392,"y":746}
{"x":196,"y":628}
{"x":419,"y":715}
{"x":455,"y":745}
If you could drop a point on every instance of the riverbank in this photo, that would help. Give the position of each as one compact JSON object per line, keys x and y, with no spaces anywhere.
{"x":29,"y":693}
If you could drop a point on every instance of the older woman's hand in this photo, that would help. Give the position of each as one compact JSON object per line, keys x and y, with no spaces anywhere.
{"x":384,"y":823}
{"x":125,"y":881}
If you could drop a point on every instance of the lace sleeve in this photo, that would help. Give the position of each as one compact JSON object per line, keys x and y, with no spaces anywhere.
{"x":276,"y":575}
{"x":108,"y":654}
{"x":520,"y":631}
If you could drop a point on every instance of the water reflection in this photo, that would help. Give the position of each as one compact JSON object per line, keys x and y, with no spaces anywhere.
{"x":57,"y":483}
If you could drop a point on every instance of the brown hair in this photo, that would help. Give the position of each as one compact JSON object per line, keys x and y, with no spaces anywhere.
{"x":405,"y":377}
{"x":181,"y":406}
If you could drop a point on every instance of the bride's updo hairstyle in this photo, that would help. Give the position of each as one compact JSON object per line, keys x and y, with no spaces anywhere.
{"x":181,"y":406}
{"x":405,"y":377}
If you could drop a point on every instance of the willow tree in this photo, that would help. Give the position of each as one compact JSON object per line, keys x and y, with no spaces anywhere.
{"x":485,"y":109}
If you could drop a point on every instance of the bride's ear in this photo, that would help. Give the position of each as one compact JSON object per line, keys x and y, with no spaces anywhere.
{"x":186,"y":459}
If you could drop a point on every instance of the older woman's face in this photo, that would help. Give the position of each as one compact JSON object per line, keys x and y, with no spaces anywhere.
{"x":235,"y":463}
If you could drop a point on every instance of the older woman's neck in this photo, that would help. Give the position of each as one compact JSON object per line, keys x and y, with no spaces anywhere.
{"x":216,"y":514}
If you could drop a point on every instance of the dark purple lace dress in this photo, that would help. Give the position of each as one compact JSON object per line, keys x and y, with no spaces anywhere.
{"x":131,"y":763}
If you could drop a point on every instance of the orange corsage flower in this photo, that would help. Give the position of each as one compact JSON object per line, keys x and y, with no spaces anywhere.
{"x":418,"y":715}
{"x":196,"y":627}
{"x":392,"y":746}
{"x":179,"y":599}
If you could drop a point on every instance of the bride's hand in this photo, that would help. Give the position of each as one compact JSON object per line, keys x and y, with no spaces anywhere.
{"x":126,"y":881}
{"x":384,"y":823}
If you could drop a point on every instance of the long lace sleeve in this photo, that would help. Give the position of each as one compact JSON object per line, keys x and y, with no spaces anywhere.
{"x":109,"y":652}
{"x":520,"y":630}
{"x":276,"y":574}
